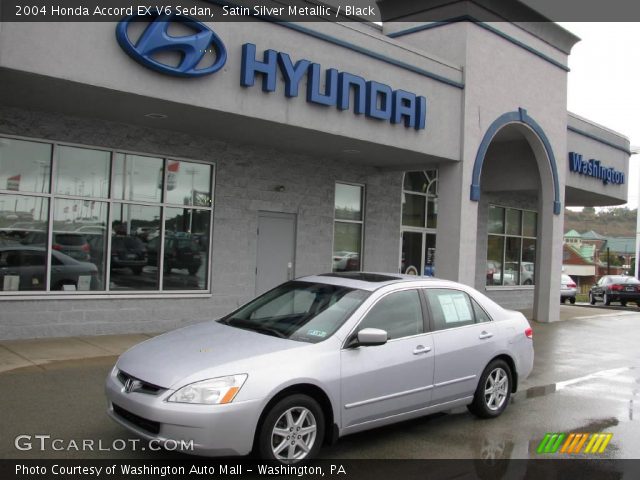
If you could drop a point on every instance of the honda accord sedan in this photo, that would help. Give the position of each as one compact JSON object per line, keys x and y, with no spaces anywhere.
{"x":318,"y":358}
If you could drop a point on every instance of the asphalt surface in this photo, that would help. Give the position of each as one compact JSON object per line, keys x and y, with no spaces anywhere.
{"x":586,"y":379}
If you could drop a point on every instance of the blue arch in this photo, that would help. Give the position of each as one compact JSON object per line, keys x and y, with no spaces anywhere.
{"x":515,"y":117}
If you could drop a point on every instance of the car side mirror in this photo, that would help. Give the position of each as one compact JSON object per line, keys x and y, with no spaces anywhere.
{"x":369,"y":337}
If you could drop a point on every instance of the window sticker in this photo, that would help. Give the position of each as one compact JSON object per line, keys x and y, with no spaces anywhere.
{"x":11,"y":283}
{"x":317,"y":333}
{"x":84,"y":283}
{"x":454,"y":308}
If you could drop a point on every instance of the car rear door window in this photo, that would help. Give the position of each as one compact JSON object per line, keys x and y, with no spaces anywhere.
{"x":452,"y":308}
{"x":399,"y":314}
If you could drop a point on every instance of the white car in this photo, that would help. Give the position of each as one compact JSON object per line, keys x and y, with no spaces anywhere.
{"x":568,"y":289}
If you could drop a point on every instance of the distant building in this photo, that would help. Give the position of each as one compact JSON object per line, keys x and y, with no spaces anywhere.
{"x":585,"y":256}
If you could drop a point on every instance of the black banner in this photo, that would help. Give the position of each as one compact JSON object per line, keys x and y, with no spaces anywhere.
{"x":199,"y":468}
{"x":326,"y":10}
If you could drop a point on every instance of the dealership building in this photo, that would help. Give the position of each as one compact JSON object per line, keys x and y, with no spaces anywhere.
{"x":148,"y":183}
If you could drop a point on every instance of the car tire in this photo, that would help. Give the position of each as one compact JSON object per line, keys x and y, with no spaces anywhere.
{"x":592,"y":299}
{"x":606,"y":299}
{"x":487,"y":402}
{"x":623,"y":303}
{"x":284,"y":416}
{"x":528,"y":282}
{"x":572,"y":300}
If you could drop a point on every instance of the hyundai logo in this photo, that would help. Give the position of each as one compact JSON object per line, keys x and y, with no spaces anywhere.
{"x":155,"y":40}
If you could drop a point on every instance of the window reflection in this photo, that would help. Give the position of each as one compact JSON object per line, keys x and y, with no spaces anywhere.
{"x":133,"y":228}
{"x":23,"y":239}
{"x":186,"y":247}
{"x":188,"y":183}
{"x":84,"y":250}
{"x":511,"y":256}
{"x":138,"y":178}
{"x":347,"y":229}
{"x":82,"y":172}
{"x":79,"y":232}
{"x":347,"y":245}
{"x":348,"y":202}
{"x":24,"y":166}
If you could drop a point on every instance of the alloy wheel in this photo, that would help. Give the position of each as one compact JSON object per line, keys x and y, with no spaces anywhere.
{"x":496,"y":389}
{"x":293,"y":435}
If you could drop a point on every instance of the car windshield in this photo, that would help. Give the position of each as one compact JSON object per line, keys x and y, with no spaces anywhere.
{"x":303,"y":311}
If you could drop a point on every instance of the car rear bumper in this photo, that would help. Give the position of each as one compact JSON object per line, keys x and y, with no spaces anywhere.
{"x":624,"y":296}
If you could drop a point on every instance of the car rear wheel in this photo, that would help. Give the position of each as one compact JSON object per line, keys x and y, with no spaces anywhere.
{"x":292,"y":431}
{"x":572,"y":300}
{"x":623,"y":303}
{"x":606,"y":299}
{"x":592,"y":299}
{"x":494,"y":390}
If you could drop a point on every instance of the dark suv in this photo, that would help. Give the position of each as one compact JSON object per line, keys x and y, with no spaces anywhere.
{"x":128,"y":252}
{"x":181,"y":252}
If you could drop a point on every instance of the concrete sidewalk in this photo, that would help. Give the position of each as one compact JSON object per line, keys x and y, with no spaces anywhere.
{"x":42,"y":352}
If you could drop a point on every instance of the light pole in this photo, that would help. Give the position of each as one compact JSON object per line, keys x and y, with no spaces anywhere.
{"x":635,"y":151}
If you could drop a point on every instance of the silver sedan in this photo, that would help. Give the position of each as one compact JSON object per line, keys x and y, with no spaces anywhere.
{"x":318,"y":358}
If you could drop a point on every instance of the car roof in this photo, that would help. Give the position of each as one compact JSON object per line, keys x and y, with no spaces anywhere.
{"x":372,"y":280}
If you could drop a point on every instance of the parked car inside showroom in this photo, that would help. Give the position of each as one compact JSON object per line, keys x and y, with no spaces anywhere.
{"x":568,"y":289}
{"x":615,"y":288}
{"x":321,"y":357}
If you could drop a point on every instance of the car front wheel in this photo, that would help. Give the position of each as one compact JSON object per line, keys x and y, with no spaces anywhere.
{"x":494,"y":390}
{"x":606,"y":299}
{"x":292,"y":431}
{"x":592,"y":299}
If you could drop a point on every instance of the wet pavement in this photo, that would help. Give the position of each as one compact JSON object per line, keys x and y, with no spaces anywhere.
{"x":586,"y":379}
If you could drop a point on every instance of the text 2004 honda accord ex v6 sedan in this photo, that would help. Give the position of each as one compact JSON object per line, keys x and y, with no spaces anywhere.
{"x":318,"y":358}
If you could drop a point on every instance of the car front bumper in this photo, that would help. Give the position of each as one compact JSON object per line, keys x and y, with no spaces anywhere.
{"x":211,"y":430}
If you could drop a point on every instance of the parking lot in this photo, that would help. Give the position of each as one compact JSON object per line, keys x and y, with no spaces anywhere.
{"x":586,"y":379}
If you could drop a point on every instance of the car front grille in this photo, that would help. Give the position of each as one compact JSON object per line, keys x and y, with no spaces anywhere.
{"x":138,"y":385}
{"x":145,"y":424}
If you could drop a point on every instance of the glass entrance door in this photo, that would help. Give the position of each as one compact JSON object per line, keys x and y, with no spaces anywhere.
{"x":418,"y":255}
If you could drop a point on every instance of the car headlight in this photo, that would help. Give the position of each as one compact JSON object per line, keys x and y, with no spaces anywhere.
{"x":210,"y":392}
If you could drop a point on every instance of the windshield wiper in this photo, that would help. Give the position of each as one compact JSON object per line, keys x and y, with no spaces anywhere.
{"x":245,"y":325}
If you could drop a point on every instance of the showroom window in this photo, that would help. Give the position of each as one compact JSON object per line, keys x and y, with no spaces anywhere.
{"x":511,"y":247}
{"x":347,"y":227}
{"x":80,"y":220}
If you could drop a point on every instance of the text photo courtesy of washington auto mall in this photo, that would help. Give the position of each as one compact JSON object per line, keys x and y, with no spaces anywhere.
{"x":344,"y":239}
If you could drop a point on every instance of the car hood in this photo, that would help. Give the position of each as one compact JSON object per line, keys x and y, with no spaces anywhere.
{"x":197,"y":352}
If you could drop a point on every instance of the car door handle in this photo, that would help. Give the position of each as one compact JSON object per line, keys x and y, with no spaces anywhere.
{"x":484,"y":335}
{"x":421,"y":349}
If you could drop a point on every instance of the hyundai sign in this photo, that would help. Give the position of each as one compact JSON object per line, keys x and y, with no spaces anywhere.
{"x":372,"y":99}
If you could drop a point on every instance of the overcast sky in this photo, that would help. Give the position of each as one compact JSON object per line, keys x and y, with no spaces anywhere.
{"x":604,"y":82}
